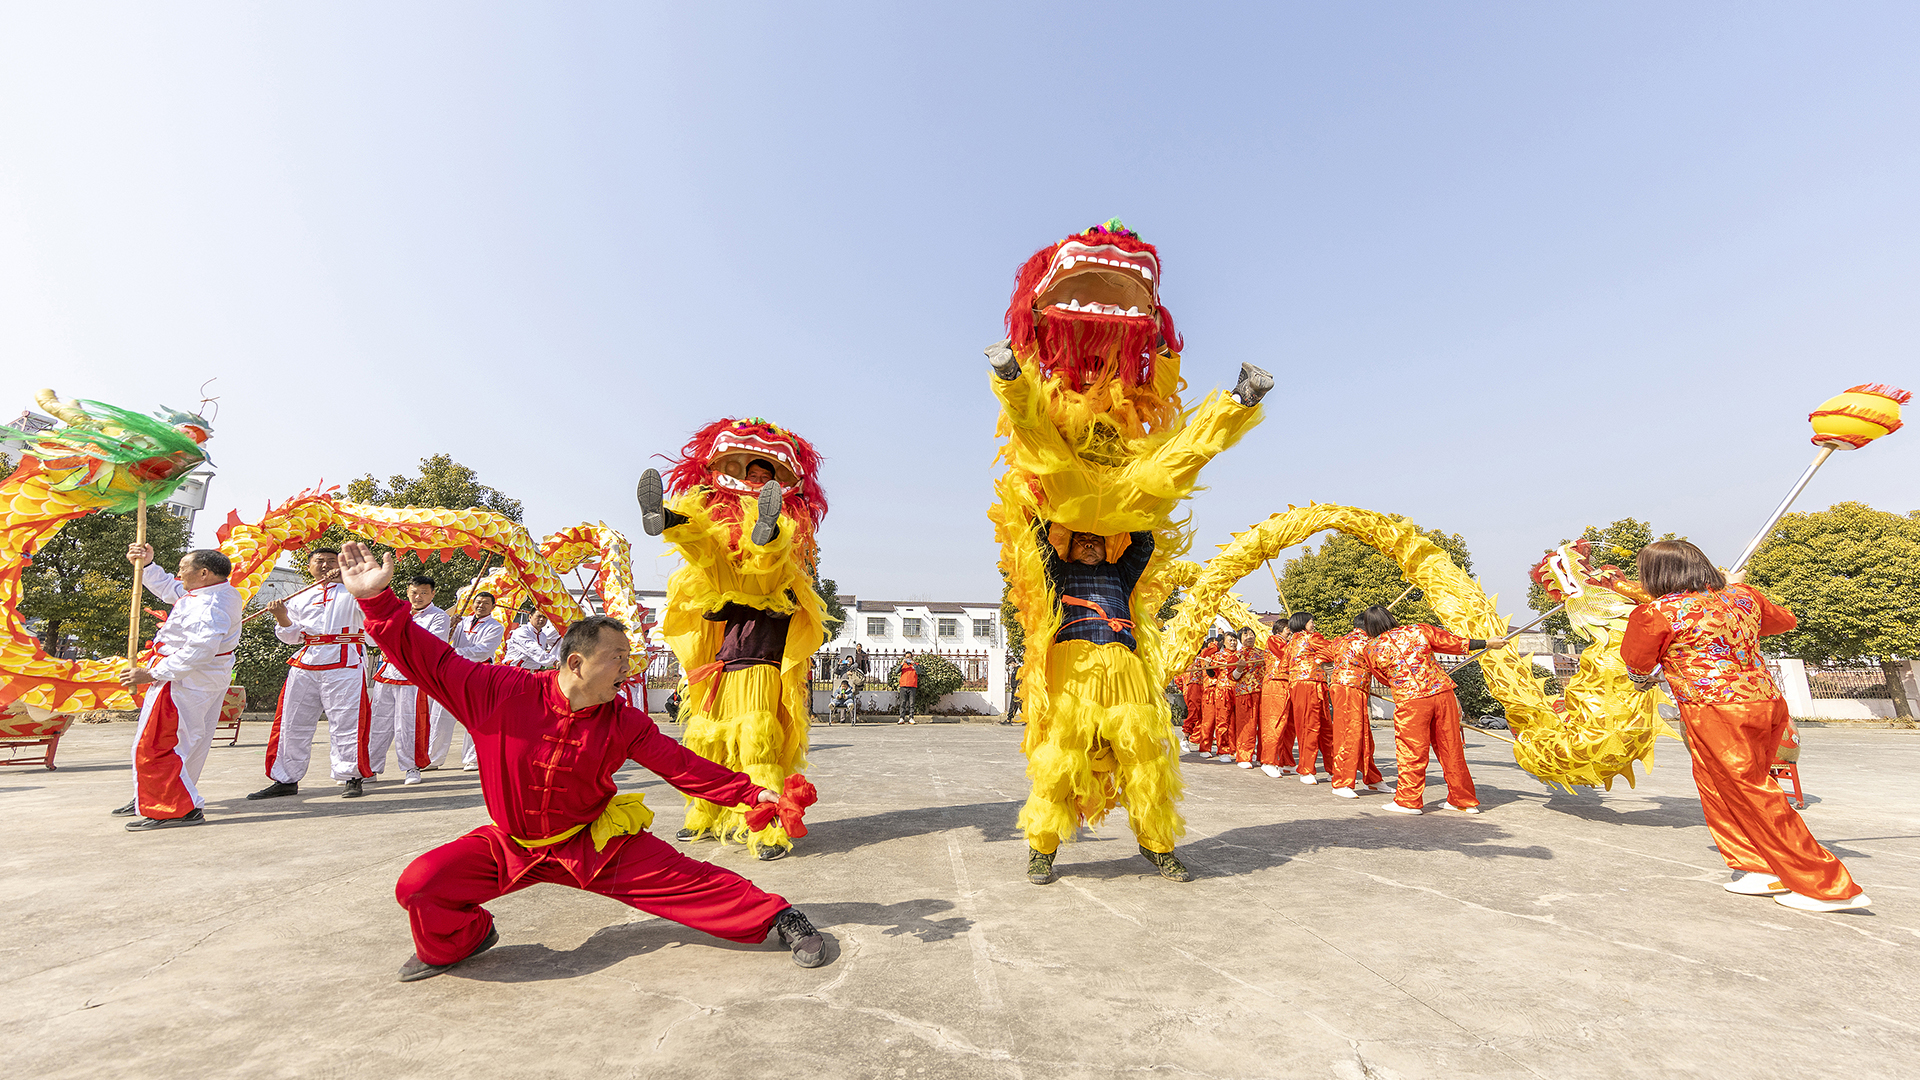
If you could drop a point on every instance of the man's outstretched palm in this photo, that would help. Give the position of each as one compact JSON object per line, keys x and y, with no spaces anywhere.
{"x":362,"y":576}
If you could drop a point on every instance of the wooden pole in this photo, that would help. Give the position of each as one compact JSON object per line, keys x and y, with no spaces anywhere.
{"x":1402,"y":596}
{"x":1277,"y":590}
{"x":139,"y":572}
{"x":284,"y":599}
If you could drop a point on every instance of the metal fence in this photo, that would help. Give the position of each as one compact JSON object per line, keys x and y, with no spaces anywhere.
{"x":663,"y":669}
{"x":1847,"y":682}
{"x":881,"y":662}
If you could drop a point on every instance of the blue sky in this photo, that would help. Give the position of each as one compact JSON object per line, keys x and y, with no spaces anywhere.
{"x":1517,"y":268}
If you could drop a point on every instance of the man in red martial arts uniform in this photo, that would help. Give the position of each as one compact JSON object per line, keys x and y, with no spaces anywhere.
{"x":550,"y":742}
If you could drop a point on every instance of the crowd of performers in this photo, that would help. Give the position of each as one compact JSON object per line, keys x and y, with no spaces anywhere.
{"x":1099,"y":453}
{"x":1298,"y":704}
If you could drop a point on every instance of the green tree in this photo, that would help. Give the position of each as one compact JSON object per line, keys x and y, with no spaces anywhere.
{"x":836,"y":612}
{"x":1345,"y":577}
{"x":1851,"y":575}
{"x":1010,"y":618}
{"x":1617,"y":544}
{"x":79,"y":582}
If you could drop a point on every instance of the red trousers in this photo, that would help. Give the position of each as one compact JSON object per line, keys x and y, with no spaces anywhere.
{"x":1310,"y":726}
{"x":1747,"y":813}
{"x":1193,"y":694}
{"x":443,"y":889}
{"x":1276,"y":723}
{"x":1246,"y":725}
{"x":1431,"y":723}
{"x":1352,"y":737}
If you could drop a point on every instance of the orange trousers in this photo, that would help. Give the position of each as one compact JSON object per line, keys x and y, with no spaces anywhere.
{"x":1276,"y":724}
{"x":1191,"y":728}
{"x":1431,"y":723}
{"x":1310,"y":726}
{"x":1747,"y":813}
{"x":1246,"y":725}
{"x":1352,"y":737}
{"x":1219,"y":718}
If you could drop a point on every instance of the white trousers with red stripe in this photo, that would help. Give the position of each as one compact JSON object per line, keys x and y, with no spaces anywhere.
{"x":176,"y":745}
{"x":402,"y":710}
{"x":357,"y":745}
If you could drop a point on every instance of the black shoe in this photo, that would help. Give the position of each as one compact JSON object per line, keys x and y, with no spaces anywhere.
{"x":123,"y":811}
{"x":275,"y":790}
{"x":354,"y":788}
{"x":1040,"y":867}
{"x":191,"y":817}
{"x":770,"y":852}
{"x":1253,"y":385}
{"x":796,"y":933}
{"x":653,"y":520}
{"x":1170,"y":868}
{"x":688,"y":836}
{"x":414,"y":970}
{"x":768,"y":527}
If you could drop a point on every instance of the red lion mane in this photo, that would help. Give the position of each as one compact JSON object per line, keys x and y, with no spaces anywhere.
{"x":721,"y":443}
{"x":1085,"y":347}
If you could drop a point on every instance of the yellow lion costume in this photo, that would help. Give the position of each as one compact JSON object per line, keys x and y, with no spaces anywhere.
{"x":742,"y":614}
{"x":1098,"y":453}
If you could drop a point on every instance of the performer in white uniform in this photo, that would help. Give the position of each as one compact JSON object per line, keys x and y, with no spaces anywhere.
{"x":196,"y":644}
{"x":476,"y":637}
{"x":328,"y":676}
{"x":533,"y":646}
{"x":416,"y":720}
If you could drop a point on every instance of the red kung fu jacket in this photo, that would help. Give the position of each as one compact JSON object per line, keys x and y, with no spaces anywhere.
{"x":1709,"y":642}
{"x":1304,"y":653}
{"x":1403,"y":659}
{"x":544,"y":768}
{"x":1347,"y":660}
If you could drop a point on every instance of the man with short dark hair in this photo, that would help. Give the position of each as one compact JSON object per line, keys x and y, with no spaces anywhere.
{"x":550,"y":744}
{"x":177,"y":720}
{"x":328,"y":678}
{"x":398,"y":705}
{"x":909,"y":690}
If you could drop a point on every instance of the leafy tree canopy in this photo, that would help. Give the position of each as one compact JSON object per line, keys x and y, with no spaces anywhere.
{"x":1851,"y":575}
{"x":1345,"y":577}
{"x":829,"y":591}
{"x":80,"y":581}
{"x":1617,"y":544}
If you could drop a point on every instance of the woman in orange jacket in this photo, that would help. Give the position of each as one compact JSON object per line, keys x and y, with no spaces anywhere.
{"x":1349,"y":681}
{"x":1276,"y":713}
{"x":1705,"y":632}
{"x":1426,"y":715}
{"x":1305,"y":652}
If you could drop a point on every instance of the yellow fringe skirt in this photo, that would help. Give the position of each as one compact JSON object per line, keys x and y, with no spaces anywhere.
{"x":747,"y":731}
{"x":1105,"y":741}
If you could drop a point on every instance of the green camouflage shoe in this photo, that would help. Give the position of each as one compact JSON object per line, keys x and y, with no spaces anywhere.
{"x":1040,"y":867}
{"x":1170,"y":868}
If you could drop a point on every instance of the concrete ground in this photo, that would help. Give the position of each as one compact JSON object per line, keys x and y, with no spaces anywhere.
{"x":1553,"y":936}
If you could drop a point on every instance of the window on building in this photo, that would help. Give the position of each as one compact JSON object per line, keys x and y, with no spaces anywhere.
{"x":876,"y":628}
{"x":950,"y":628}
{"x":910,"y":628}
{"x":983,"y":629}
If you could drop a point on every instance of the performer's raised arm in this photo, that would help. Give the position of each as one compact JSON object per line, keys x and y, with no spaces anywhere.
{"x":467,"y":689}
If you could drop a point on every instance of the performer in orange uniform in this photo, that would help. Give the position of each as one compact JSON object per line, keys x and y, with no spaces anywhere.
{"x":1276,"y":708}
{"x":1304,"y":654}
{"x":1426,"y":715}
{"x":1706,"y":633}
{"x":1251,"y":675}
{"x":1193,"y":687}
{"x":1348,"y":681}
{"x":1217,"y":698}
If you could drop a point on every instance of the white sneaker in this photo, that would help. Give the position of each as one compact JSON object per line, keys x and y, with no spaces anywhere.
{"x":1346,"y":793}
{"x":469,"y":767}
{"x":1755,"y":883}
{"x":1308,"y":778}
{"x":412,"y":777}
{"x":1246,"y":764}
{"x":1807,"y":903}
{"x":1271,"y":770}
{"x":1396,"y":808}
{"x":1464,"y":809}
{"x":1380,"y":787}
{"x":1186,"y":747}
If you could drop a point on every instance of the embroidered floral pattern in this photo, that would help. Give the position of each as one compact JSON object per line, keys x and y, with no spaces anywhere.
{"x":1713,"y":657}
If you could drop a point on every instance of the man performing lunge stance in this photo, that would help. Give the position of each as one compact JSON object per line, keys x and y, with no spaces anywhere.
{"x":1099,"y":452}
{"x":550,"y":743}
